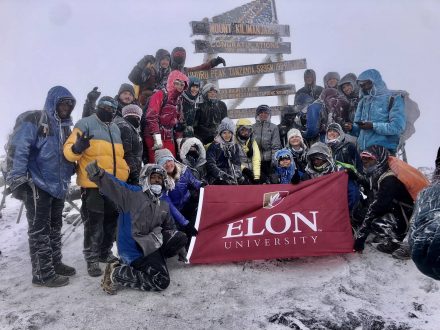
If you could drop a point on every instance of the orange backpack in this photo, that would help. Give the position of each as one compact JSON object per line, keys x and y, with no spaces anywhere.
{"x":412,"y":178}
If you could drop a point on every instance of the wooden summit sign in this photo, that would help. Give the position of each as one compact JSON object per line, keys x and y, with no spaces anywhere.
{"x":244,"y":92}
{"x":235,"y":46}
{"x":206,"y":28}
{"x":250,"y":112}
{"x":249,"y":70}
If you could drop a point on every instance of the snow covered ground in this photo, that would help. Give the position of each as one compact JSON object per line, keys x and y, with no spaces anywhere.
{"x":355,"y":291}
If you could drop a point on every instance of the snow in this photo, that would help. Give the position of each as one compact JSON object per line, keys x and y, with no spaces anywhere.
{"x":355,"y":291}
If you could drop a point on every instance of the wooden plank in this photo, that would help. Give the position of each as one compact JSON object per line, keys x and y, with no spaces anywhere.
{"x":244,"y":92}
{"x":250,"y":112}
{"x":248,"y":47}
{"x":249,"y":70}
{"x":233,"y":29}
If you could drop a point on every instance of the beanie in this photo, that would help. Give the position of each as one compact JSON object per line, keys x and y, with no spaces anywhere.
{"x":294,"y":132}
{"x":107,"y":101}
{"x":162,"y":156}
{"x":126,"y":88}
{"x":263,"y":108}
{"x":226,"y":125}
{"x":131,"y":110}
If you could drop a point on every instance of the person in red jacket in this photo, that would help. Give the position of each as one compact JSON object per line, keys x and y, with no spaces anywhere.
{"x":162,"y":115}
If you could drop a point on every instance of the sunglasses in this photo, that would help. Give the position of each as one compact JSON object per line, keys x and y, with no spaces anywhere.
{"x":364,"y":83}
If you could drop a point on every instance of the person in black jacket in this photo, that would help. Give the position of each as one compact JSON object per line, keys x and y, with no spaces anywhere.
{"x":342,"y":151}
{"x":390,"y":206}
{"x":310,"y":88}
{"x":189,"y":105}
{"x":209,"y":115}
{"x":131,"y":141}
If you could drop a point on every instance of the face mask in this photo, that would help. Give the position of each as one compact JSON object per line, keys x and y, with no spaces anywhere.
{"x":370,"y":170}
{"x":156,"y":189}
{"x":135,"y":121}
{"x":322,"y":167}
{"x":104,"y":115}
{"x":193,"y":154}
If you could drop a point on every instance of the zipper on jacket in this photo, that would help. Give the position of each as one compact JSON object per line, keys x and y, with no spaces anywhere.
{"x":113,"y":149}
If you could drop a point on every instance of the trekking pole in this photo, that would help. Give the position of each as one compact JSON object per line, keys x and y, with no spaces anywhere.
{"x":20,"y":212}
{"x":74,"y":225}
{"x":6,"y":192}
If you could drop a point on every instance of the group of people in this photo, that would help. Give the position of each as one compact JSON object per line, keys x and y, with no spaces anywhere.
{"x":142,"y":156}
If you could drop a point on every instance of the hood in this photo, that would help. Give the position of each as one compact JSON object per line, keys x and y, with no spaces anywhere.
{"x":319,"y":148}
{"x":381,"y":154}
{"x":186,"y":145}
{"x":310,"y":72}
{"x":54,"y":96}
{"x":243,"y":122}
{"x":193,"y":81}
{"x":331,"y":75}
{"x":349,"y":78}
{"x":207,"y":88}
{"x":178,"y":58}
{"x":283,"y":153}
{"x":226,"y":124}
{"x":379,"y":86}
{"x":144,"y":177}
{"x":126,"y":88}
{"x":173,"y":94}
{"x":335,"y":127}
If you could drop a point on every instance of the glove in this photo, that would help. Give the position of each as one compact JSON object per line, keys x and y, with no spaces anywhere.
{"x":157,"y":142}
{"x":94,"y":172}
{"x":241,"y":180}
{"x":190,"y":230}
{"x":256,"y":181}
{"x":216,"y":61}
{"x":359,"y":244}
{"x":247,"y":172}
{"x":82,"y":143}
{"x":204,"y":183}
{"x":18,"y":187}
{"x":93,"y":95}
{"x":182,"y":255}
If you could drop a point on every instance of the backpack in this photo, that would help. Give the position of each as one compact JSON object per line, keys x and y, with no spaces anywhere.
{"x":412,"y":113}
{"x":38,"y":117}
{"x":412,"y":178}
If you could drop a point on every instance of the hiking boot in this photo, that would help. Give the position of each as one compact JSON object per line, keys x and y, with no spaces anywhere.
{"x":63,"y":269}
{"x":403,"y":252}
{"x":54,"y":282}
{"x":387,"y":247}
{"x":110,"y":258}
{"x":106,"y":283}
{"x":173,"y":241}
{"x":93,"y":269}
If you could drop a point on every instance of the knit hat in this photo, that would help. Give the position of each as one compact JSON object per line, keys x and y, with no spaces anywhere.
{"x":226,"y":125}
{"x":107,"y":101}
{"x":262,"y":108}
{"x":162,"y":156}
{"x":294,"y":132}
{"x":132,"y":110}
{"x":178,"y":56}
{"x":126,"y":88}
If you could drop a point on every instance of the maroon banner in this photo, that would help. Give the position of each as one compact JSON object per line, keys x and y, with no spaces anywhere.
{"x":273,"y":221}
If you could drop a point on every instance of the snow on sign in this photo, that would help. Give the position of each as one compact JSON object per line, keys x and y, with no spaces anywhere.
{"x":205,"y":28}
{"x":249,"y":70}
{"x":235,"y":46}
{"x":239,"y":93}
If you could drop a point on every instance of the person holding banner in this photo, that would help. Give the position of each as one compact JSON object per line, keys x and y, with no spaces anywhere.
{"x":285,"y":169}
{"x":223,"y":157}
{"x":391,"y":204}
{"x":250,"y":156}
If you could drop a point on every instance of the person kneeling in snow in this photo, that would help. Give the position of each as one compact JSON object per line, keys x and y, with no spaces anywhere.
{"x":146,"y":232}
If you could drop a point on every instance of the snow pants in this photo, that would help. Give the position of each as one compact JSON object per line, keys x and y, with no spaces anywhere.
{"x":44,"y":215}
{"x":148,"y":273}
{"x":100,"y":217}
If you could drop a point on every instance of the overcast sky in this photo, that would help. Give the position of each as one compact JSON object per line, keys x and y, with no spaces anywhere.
{"x":81,"y":44}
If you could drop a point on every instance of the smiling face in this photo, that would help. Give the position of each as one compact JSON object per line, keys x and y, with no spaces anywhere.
{"x":126,"y":97}
{"x":156,"y":178}
{"x":332,"y":134}
{"x":169,"y":166}
{"x":179,"y":85}
{"x":295,"y":141}
{"x":347,"y":88}
{"x":284,"y":162}
{"x":226,"y":135}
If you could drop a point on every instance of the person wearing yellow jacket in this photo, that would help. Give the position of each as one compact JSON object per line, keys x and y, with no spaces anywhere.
{"x":97,"y":138}
{"x":250,"y":156}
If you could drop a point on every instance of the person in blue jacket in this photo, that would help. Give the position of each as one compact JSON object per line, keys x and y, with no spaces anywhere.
{"x":39,"y":175}
{"x":180,"y":181}
{"x":380,"y":116}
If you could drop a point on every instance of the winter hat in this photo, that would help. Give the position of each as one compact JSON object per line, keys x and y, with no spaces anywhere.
{"x":162,"y":156}
{"x":263,"y":108}
{"x":226,"y":125}
{"x":331,"y":75}
{"x":107,"y":101}
{"x":335,"y":127}
{"x":294,"y":132}
{"x":132,"y":110}
{"x":178,"y":56}
{"x":208,"y":87}
{"x":380,"y":154}
{"x":126,"y":88}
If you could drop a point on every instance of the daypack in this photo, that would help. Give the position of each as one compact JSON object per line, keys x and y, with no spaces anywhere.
{"x":412,"y":112}
{"x":36,"y":116}
{"x":412,"y":178}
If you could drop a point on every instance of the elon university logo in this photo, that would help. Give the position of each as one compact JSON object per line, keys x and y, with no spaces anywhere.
{"x":272,"y":199}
